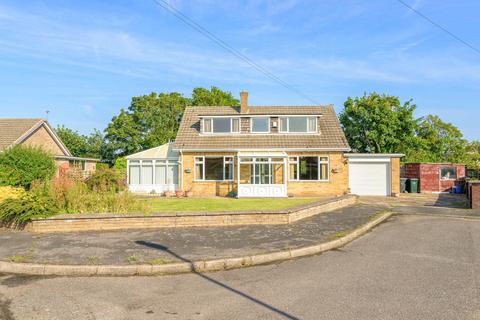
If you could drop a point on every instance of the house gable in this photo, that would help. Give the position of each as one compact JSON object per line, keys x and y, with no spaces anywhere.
{"x":45,"y":139}
{"x":31,"y":132}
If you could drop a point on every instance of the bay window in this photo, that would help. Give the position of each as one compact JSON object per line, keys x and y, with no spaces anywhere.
{"x":213,"y":168}
{"x":310,"y":168}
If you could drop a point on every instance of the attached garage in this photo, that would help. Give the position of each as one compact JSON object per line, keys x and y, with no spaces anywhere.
{"x":374,"y":174}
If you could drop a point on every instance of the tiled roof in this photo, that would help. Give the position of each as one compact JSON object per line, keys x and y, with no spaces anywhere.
{"x":331,"y":135}
{"x":12,"y":129}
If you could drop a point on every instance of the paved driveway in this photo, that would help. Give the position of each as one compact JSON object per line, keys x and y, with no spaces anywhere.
{"x":412,"y":267}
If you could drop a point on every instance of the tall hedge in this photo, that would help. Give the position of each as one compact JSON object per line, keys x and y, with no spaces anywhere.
{"x":21,"y":165}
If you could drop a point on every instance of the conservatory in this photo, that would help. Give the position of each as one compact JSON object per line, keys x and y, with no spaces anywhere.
{"x":154,"y":170}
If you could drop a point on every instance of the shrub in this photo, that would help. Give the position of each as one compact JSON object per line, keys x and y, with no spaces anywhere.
{"x":76,"y":197}
{"x":8,"y":192}
{"x":105,"y":180}
{"x":31,"y":205}
{"x":101,"y":165}
{"x":21,"y":165}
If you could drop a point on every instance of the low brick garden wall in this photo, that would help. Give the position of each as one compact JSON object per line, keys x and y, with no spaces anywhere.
{"x":96,"y":222}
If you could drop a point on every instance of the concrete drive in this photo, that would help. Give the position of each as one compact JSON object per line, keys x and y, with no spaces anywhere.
{"x":176,"y":244}
{"x":412,"y":267}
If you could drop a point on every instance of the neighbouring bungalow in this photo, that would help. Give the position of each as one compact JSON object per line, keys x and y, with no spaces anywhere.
{"x":262,"y":151}
{"x":38,"y":133}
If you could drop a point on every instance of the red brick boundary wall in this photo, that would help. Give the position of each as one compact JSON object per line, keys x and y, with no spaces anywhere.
{"x":474,"y":194}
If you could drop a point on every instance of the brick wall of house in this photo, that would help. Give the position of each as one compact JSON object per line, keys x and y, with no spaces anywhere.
{"x":395,"y":174}
{"x":336,"y":185}
{"x":205,"y":188}
{"x":42,"y":138}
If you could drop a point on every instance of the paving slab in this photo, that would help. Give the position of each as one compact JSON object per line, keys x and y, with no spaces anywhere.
{"x":173,"y":244}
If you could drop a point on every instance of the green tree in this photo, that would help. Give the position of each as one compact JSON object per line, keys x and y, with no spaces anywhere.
{"x":153,"y":119}
{"x":213,"y":97}
{"x":21,"y":165}
{"x":379,"y":123}
{"x":81,"y":145}
{"x":74,"y":141}
{"x":472,"y":156}
{"x":438,"y":141}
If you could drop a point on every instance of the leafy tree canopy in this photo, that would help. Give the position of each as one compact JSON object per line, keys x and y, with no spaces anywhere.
{"x":82,"y":145}
{"x":212,"y":97}
{"x":439,"y":141}
{"x":378,"y":123}
{"x":472,"y":155}
{"x":153,"y":119}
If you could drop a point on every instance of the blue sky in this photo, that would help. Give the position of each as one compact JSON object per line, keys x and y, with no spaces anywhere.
{"x":84,"y":60}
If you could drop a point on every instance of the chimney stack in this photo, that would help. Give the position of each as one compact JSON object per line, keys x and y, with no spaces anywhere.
{"x":243,"y":101}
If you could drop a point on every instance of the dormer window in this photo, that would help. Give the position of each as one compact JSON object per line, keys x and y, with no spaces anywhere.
{"x":298,"y":124}
{"x":221,"y":125}
{"x":260,"y":124}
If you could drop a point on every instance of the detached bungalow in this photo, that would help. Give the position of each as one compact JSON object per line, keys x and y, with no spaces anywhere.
{"x":262,"y":151}
{"x":39,"y":133}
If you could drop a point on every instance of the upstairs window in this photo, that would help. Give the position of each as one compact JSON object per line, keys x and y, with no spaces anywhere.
{"x":260,"y":124}
{"x":298,"y":124}
{"x":221,"y":125}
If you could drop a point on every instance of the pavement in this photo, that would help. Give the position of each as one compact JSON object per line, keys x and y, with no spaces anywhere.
{"x":426,"y":204}
{"x":411,"y":267}
{"x":159,"y":246}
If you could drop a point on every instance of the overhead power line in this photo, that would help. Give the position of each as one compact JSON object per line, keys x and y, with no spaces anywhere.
{"x":197,"y":27}
{"x":451,"y":34}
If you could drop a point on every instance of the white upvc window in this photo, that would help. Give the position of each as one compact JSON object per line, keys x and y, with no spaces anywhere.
{"x":212,"y":168}
{"x":260,"y":125}
{"x":152,"y":172}
{"x":207,"y":125}
{"x":300,"y":124}
{"x":221,"y":125}
{"x":308,"y":168}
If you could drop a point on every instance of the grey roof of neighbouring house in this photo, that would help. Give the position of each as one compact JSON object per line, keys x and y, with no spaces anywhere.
{"x":330,"y":137}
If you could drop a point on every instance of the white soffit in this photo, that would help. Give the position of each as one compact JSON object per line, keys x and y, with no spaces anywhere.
{"x":160,"y":152}
{"x":278,"y":154}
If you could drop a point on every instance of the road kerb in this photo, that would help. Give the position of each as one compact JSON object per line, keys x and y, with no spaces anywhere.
{"x":186,"y":267}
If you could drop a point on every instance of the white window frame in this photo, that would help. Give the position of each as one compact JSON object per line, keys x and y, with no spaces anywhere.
{"x":212,"y":126}
{"x":449,"y":179}
{"x":231,"y":125}
{"x":297,"y":164}
{"x":167,"y":162}
{"x":202,"y":162}
{"x":287,"y":119}
{"x":260,"y":132}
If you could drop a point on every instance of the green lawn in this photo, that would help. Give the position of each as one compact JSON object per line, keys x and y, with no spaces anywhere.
{"x":224,"y":204}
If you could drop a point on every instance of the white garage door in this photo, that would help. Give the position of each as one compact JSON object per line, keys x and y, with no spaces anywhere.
{"x":369,"y":178}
